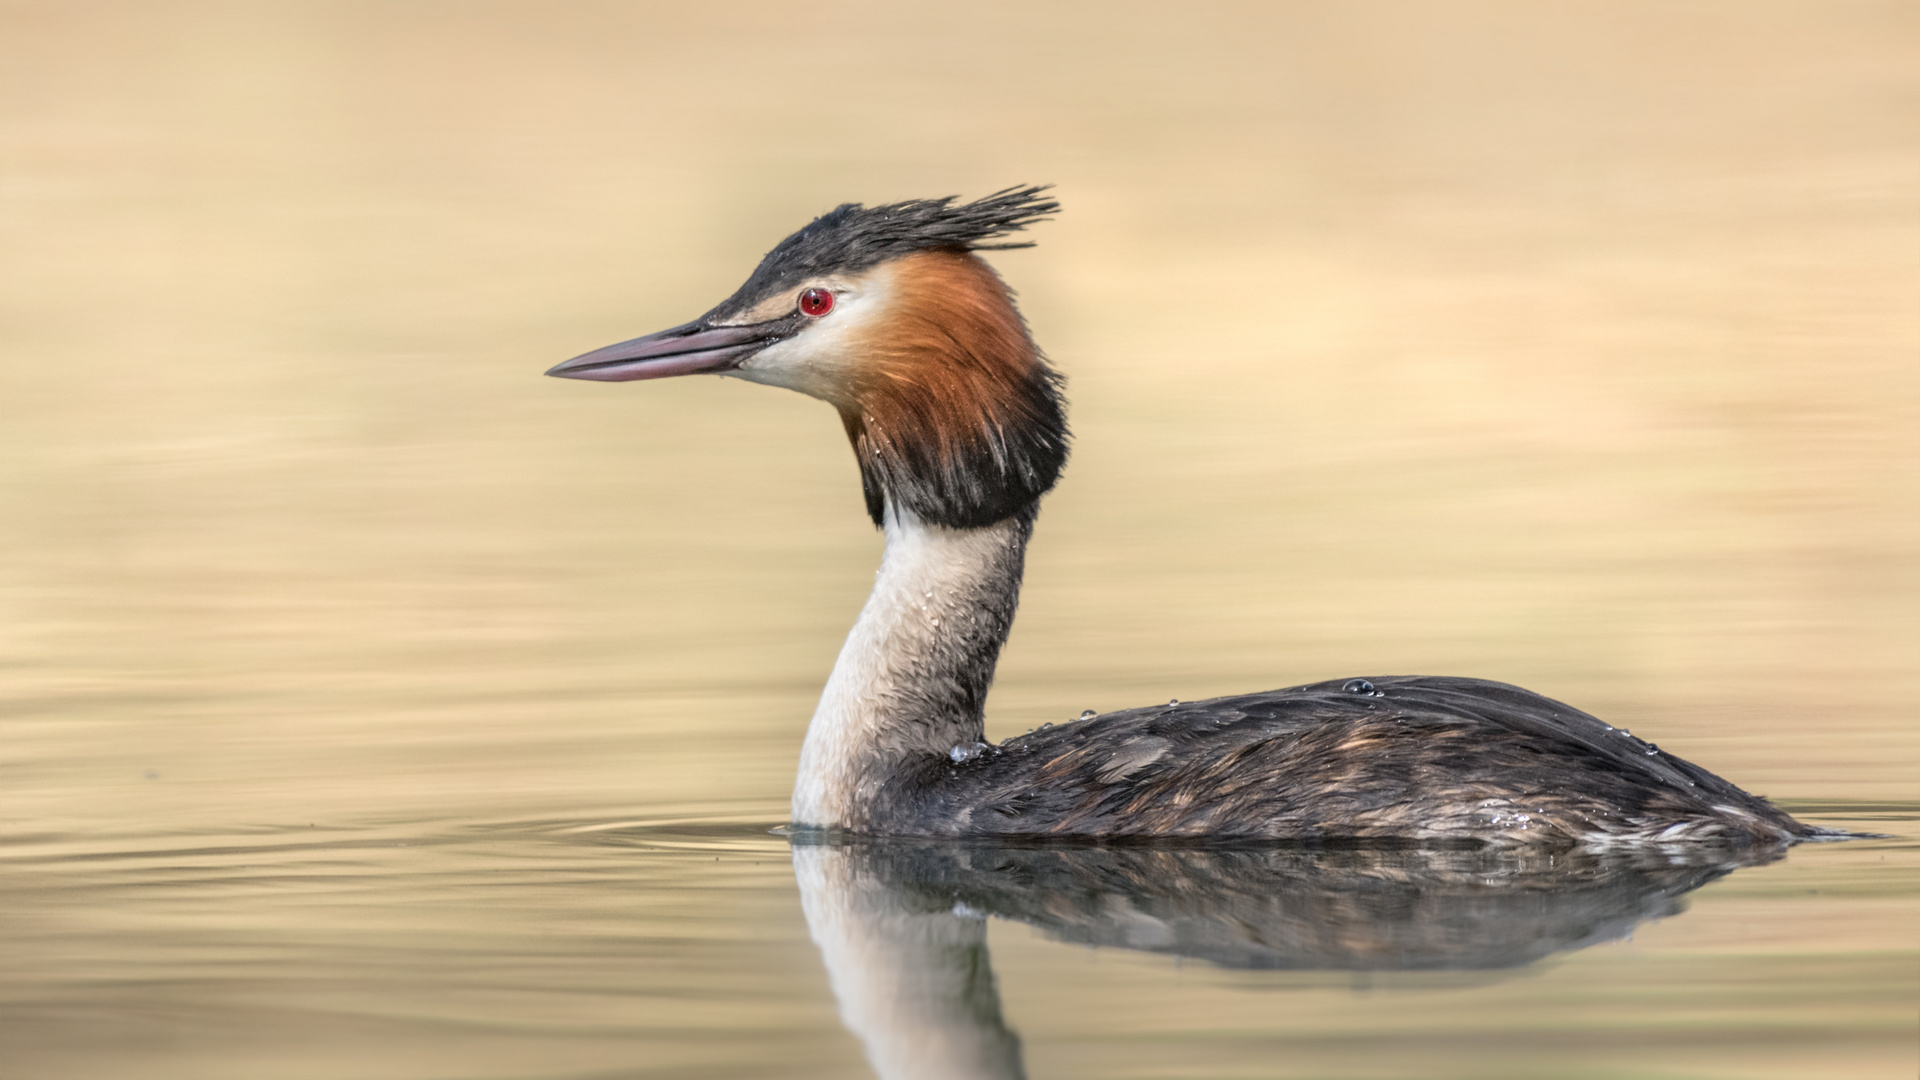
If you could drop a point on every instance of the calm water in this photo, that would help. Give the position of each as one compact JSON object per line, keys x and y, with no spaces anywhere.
{"x":372,"y":707}
{"x":681,"y":948}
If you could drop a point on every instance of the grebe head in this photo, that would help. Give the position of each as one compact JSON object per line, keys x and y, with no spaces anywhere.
{"x":887,"y":314}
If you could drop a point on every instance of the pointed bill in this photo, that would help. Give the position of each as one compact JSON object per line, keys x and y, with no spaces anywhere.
{"x":693,"y":348}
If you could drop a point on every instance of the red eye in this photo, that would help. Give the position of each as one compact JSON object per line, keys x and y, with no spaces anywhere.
{"x":816,"y":302}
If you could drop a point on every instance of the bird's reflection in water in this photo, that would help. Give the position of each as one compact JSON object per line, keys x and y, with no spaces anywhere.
{"x":901,"y":924}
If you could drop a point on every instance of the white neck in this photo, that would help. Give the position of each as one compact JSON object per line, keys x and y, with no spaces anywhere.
{"x":912,"y":678}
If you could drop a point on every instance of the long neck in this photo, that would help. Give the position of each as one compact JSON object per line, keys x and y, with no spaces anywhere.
{"x":912,"y":679}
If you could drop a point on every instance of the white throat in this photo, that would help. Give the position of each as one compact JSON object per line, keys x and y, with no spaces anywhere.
{"x":912,"y":677}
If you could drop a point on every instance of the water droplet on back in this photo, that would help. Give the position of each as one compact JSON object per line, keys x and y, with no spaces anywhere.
{"x":1357,"y":686}
{"x":968,"y":753}
{"x":1088,"y":714}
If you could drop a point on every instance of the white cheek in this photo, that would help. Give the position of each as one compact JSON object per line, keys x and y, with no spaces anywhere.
{"x":814,"y":362}
{"x":819,"y":359}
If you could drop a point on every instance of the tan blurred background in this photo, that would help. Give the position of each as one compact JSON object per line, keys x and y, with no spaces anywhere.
{"x":1571,"y":345}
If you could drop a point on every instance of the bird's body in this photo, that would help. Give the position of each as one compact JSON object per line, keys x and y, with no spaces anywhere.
{"x":1395,"y":758}
{"x":959,"y":428}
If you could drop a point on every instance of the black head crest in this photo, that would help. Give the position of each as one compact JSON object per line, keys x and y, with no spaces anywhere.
{"x":851,"y":237}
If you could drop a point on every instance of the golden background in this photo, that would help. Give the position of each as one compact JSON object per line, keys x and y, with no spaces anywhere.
{"x":1567,"y":345}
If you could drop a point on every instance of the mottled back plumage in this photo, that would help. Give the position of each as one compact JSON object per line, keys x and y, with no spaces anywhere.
{"x":1407,"y":758}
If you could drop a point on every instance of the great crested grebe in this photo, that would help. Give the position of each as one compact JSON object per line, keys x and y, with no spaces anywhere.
{"x":959,"y":427}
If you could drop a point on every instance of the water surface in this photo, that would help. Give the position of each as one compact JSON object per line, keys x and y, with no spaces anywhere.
{"x":681,"y":948}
